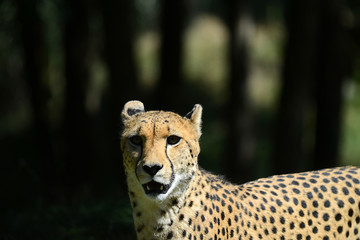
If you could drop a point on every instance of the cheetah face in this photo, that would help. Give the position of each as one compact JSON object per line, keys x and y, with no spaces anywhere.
{"x":160,"y":150}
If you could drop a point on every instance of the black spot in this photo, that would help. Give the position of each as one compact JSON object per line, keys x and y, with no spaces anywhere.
{"x":345,"y":191}
{"x":294,"y":183}
{"x":309,"y":195}
{"x":174,"y":202}
{"x":326,"y":217}
{"x":302,"y":225}
{"x":334,"y":190}
{"x":340,"y":204}
{"x":170,"y":235}
{"x":292,"y":225}
{"x":184,"y":233}
{"x":338,"y":217}
{"x":357,"y":191}
{"x":340,"y":229}
{"x":290,"y":210}
{"x":351,"y":212}
{"x":210,"y":211}
{"x":327,"y":203}
{"x":301,"y":213}
{"x":273,"y":209}
{"x":295,"y":190}
{"x":202,"y":218}
{"x":315,"y":230}
{"x":299,"y":237}
{"x":327,"y":228}
{"x":312,"y":180}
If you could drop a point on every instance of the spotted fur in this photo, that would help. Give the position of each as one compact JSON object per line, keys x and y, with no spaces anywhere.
{"x":173,"y":198}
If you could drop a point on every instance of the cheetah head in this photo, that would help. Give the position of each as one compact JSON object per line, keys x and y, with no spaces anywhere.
{"x":160,"y":150}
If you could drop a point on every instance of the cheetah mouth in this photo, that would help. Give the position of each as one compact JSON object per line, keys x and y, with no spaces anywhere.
{"x":155,"y":188}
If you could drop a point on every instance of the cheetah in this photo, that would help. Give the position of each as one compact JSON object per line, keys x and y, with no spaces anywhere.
{"x":173,"y":198}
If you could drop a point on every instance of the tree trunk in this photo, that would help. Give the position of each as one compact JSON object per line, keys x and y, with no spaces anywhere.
{"x":331,"y":73}
{"x":298,"y":74}
{"x":171,"y":84}
{"x":123,"y":84}
{"x":79,"y":155}
{"x":35,"y":71}
{"x":239,"y":163}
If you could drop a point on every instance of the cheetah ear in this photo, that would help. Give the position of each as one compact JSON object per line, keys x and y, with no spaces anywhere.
{"x":131,"y":108}
{"x":195,"y":116}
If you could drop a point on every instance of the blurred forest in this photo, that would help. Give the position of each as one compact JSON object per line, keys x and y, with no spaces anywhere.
{"x":279,"y":82}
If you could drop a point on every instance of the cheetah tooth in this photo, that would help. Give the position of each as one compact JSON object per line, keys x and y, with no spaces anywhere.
{"x":147,"y":187}
{"x":161,"y":187}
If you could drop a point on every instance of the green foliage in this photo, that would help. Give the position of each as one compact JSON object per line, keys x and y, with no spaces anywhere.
{"x":351,"y":131}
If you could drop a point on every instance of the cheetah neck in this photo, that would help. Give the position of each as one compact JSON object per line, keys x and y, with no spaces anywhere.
{"x":155,"y":218}
{"x":173,"y":217}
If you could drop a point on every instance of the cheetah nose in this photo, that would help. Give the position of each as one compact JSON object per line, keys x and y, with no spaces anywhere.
{"x":152,"y":169}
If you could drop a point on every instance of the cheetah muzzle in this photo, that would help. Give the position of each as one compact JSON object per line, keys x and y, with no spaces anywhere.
{"x":173,"y":198}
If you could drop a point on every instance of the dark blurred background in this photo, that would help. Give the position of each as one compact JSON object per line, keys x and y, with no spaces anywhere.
{"x":279,"y":82}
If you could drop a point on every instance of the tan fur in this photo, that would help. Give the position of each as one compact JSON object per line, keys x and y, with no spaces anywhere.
{"x":313,"y":205}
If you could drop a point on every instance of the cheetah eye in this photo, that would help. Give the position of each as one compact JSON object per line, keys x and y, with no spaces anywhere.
{"x":136,"y":140}
{"x":173,"y":139}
